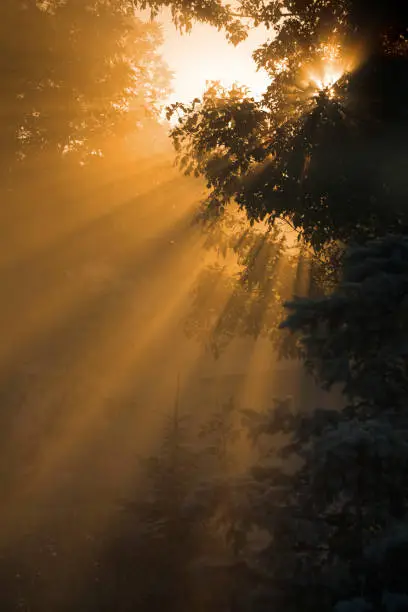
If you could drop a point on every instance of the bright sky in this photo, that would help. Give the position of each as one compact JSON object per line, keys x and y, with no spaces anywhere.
{"x":205,"y":55}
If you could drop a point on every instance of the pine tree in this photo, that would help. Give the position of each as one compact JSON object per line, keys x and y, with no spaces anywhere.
{"x":167,"y":531}
{"x":332,"y":494}
{"x":357,"y":336}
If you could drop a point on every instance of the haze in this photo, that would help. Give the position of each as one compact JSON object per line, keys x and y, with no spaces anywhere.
{"x":101,"y":335}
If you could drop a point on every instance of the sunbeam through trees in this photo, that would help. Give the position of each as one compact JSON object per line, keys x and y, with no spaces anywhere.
{"x":204,"y":339}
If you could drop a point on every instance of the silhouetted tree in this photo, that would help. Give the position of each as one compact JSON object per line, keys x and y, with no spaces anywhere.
{"x":167,"y":533}
{"x":332,"y":492}
{"x":326,"y":497}
{"x":357,"y":337}
{"x":185,"y":12}
{"x":325,"y":159}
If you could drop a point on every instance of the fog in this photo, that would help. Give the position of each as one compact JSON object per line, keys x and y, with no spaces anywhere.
{"x":96,"y":280}
{"x":124,"y":362}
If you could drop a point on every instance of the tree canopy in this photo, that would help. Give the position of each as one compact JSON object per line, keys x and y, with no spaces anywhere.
{"x":325,"y":146}
{"x":185,"y":12}
{"x":74,"y":74}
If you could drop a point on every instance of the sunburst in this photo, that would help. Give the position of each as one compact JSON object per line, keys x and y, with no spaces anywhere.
{"x":332,"y":64}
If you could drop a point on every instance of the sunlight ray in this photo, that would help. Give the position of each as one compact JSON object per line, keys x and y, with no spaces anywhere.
{"x":77,"y":427}
{"x":67,"y":291}
{"x":301,"y":281}
{"x":26,"y":238}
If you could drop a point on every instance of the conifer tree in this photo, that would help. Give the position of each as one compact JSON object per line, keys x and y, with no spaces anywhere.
{"x":332,"y":494}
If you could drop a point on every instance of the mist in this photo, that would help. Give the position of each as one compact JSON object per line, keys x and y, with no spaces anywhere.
{"x":130,"y":337}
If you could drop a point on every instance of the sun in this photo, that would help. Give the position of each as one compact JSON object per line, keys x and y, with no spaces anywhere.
{"x":329,"y":77}
{"x":329,"y":68}
{"x":325,"y":81}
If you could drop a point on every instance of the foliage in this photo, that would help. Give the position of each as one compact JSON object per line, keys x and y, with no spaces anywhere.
{"x":326,"y":496}
{"x":252,"y":271}
{"x":357,"y":336}
{"x":332,"y":492}
{"x":213,"y":12}
{"x":235,"y":143}
{"x":78,"y":73}
{"x":166,"y":530}
{"x":276,"y":157}
{"x":223,"y":433}
{"x":335,"y":486}
{"x":324,"y":151}
{"x":184,"y":517}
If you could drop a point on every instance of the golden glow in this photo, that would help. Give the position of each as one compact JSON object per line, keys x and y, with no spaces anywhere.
{"x":329,"y":68}
{"x":205,"y":55}
{"x":134,"y":322}
{"x":328,"y":80}
{"x":108,"y":277}
{"x":98,"y":271}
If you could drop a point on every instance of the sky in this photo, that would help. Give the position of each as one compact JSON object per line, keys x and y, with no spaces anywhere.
{"x":204,"y":54}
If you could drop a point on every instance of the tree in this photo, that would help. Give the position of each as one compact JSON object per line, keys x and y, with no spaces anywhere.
{"x":174,"y":545}
{"x":217,"y":501}
{"x":252,"y":271}
{"x":213,"y":12}
{"x":328,"y":496}
{"x":75,"y":75}
{"x":326,"y":517}
{"x":241,"y":292}
{"x":325,"y":147}
{"x":332,"y":492}
{"x":322,"y":146}
{"x":357,"y":336}
{"x":148,"y":563}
